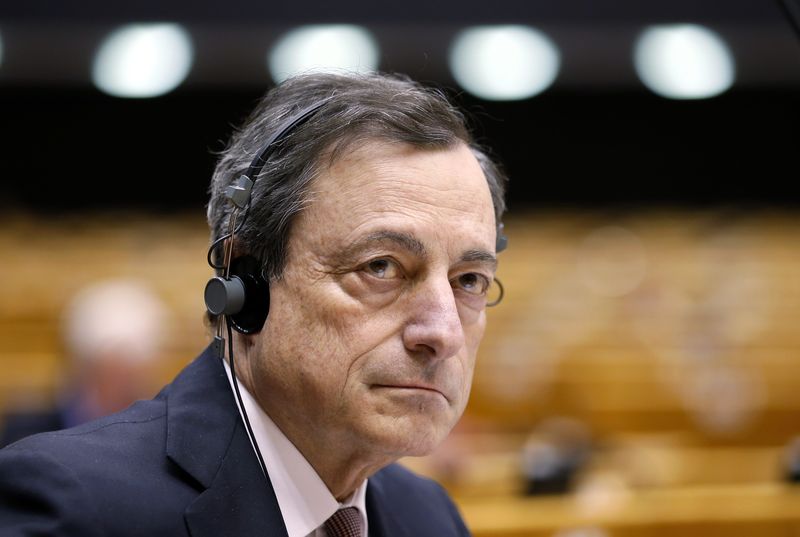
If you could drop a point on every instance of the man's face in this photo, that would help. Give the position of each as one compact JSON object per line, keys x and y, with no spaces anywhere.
{"x":372,"y":333}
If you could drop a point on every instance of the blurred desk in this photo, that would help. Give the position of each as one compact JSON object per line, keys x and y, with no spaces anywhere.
{"x":761,"y":510}
{"x":635,"y":486}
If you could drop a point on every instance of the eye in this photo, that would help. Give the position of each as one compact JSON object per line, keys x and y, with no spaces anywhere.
{"x":382,"y":268}
{"x":473,"y":283}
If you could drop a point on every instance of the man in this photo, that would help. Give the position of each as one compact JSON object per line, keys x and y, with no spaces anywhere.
{"x":374,"y":219}
{"x":113,"y":331}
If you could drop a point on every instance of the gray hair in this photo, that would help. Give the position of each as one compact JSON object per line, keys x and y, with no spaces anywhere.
{"x":360,"y":108}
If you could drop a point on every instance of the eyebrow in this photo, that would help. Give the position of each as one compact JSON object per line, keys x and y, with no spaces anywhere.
{"x":404,"y":240}
{"x":480,"y":256}
{"x":412,"y":244}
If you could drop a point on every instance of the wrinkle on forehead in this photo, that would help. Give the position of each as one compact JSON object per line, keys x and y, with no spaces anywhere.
{"x":406,"y":190}
{"x":390,"y":173}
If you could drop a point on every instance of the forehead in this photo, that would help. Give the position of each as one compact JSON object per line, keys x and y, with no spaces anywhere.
{"x":441,"y":193}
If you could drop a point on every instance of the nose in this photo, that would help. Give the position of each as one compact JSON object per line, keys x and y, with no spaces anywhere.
{"x":434,"y":326}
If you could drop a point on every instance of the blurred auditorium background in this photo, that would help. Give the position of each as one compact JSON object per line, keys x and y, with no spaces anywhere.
{"x":641,"y":376}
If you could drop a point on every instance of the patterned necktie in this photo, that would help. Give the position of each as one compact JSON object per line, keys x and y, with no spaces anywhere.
{"x":345,"y":522}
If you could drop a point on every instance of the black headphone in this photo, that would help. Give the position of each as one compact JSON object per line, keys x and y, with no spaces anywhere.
{"x":242,"y":292}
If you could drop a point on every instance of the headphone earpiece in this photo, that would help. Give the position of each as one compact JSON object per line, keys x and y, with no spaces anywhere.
{"x":251,"y":318}
{"x":244,"y":297}
{"x":224,"y":296}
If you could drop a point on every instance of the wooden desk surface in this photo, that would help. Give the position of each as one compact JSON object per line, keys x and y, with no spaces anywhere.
{"x":757,"y":510}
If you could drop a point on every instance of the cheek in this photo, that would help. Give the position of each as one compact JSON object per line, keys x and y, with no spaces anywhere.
{"x":473,"y":334}
{"x":329,"y":330}
{"x":474,"y":327}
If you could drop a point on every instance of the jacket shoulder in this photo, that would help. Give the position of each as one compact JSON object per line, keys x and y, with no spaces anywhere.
{"x":61,"y":479}
{"x":404,"y":498}
{"x":92,"y":479}
{"x":42,"y":495}
{"x":115,"y":475}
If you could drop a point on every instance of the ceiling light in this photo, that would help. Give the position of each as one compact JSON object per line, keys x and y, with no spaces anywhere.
{"x":143,"y":60}
{"x":338,"y":47}
{"x":684,"y":61}
{"x":504,"y":62}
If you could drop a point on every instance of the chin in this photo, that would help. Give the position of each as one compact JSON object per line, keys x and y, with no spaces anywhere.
{"x":410,"y":438}
{"x":422,"y":449}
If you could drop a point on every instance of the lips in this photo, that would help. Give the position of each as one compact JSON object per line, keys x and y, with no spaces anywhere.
{"x":414,"y":386}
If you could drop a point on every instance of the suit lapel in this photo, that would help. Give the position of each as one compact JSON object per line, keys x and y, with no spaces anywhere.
{"x":240,"y":501}
{"x":206,"y":438}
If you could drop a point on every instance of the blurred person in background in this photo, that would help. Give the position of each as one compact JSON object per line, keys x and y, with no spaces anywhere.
{"x":113,"y":332}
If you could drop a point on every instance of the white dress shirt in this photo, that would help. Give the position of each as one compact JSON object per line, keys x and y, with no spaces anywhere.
{"x":304,"y":499}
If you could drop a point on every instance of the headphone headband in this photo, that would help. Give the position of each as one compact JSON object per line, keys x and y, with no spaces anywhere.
{"x":239,"y":193}
{"x":280,"y":133}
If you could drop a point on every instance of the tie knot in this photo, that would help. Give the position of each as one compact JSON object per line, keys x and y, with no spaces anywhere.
{"x":345,"y":522}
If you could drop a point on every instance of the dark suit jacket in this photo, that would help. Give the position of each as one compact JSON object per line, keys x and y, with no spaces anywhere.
{"x":180,"y":464}
{"x":18,"y":425}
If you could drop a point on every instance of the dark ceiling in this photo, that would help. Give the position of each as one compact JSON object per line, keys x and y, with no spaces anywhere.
{"x":408,"y":11}
{"x":50,"y":42}
{"x":596,"y":138}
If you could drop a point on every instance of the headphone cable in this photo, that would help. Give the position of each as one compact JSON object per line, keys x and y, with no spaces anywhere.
{"x":239,"y":398}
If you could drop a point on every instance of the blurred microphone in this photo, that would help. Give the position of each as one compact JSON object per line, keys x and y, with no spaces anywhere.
{"x":791,"y":468}
{"x":555,"y":452}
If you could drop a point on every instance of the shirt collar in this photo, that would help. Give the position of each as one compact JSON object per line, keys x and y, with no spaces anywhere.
{"x":304,"y":499}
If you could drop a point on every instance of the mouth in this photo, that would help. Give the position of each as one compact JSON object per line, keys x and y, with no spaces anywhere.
{"x":413,"y":388}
